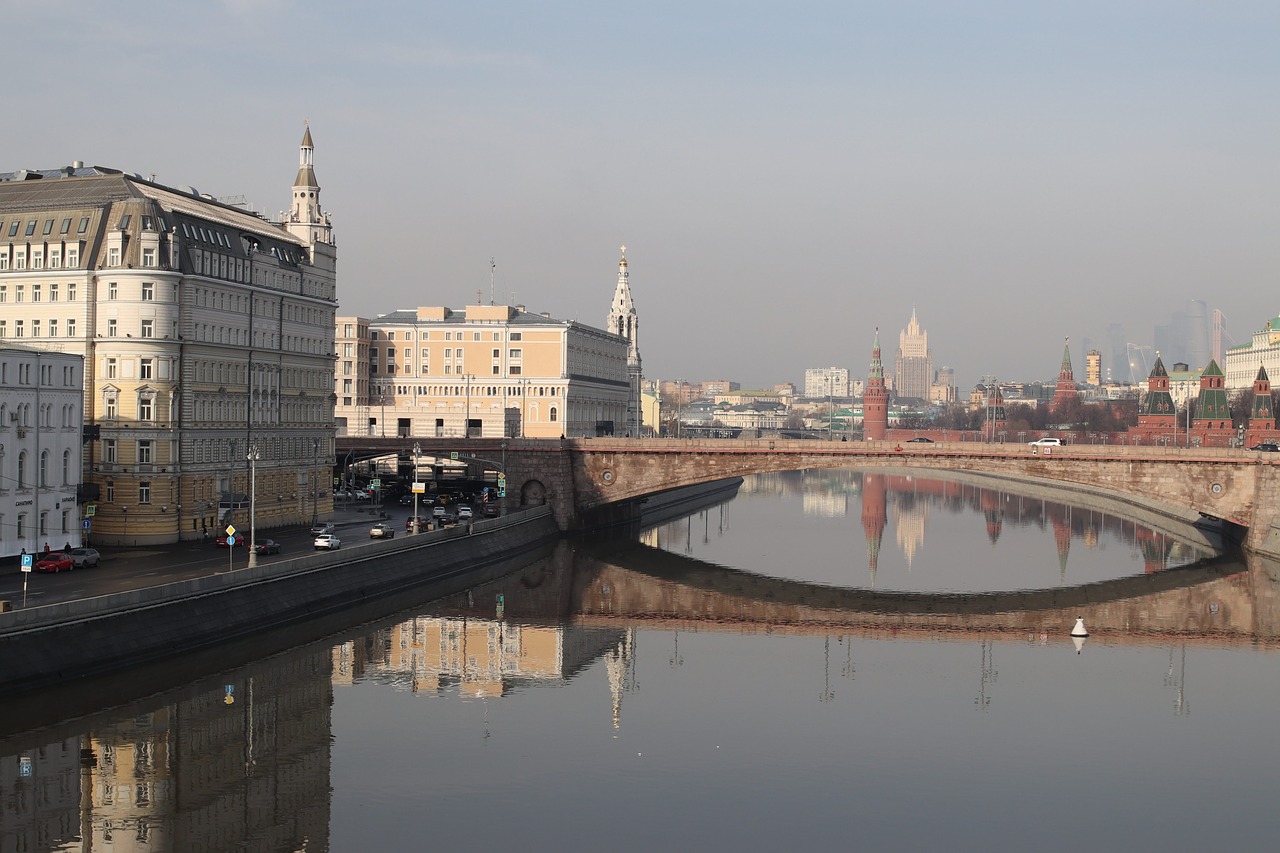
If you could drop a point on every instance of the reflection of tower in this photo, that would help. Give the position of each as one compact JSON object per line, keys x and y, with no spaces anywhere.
{"x":875,"y":398}
{"x":1177,"y":679}
{"x":992,"y":513}
{"x":909,"y":517}
{"x":874,"y":517}
{"x":619,"y":662}
{"x":1060,"y":519}
{"x":1155,"y":549}
{"x":988,"y":675}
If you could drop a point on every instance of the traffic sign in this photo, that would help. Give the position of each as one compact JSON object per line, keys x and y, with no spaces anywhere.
{"x":419,"y":488}
{"x":231,"y":541}
{"x":453,"y":455}
{"x":86,"y":524}
{"x":28,"y":561}
{"x":90,"y":510}
{"x":231,"y":530}
{"x":375,"y":483}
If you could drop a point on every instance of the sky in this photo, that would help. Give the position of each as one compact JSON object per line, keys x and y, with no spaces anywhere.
{"x":787,"y":178}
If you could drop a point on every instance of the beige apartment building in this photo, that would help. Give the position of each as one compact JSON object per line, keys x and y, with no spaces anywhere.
{"x":483,"y":371}
{"x":206,"y":331}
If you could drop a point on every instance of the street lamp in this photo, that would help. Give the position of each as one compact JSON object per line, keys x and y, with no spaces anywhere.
{"x":315,"y":484}
{"x":417,"y":448}
{"x":124,"y":539}
{"x":253,"y":505}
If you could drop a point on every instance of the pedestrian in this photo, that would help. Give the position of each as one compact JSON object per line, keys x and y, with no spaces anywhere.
{"x":66,"y":549}
{"x":46,"y":549}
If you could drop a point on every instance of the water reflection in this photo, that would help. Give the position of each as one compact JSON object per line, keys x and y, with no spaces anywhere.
{"x":244,"y":759}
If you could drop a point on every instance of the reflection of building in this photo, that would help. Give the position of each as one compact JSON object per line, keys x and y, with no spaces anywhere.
{"x":204,"y":327}
{"x":41,"y":799}
{"x":874,"y":517}
{"x":909,"y":517}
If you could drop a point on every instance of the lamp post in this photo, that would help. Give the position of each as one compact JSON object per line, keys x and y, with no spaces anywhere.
{"x":417,"y":448}
{"x":253,"y":505}
{"x":315,"y":484}
{"x":124,"y":539}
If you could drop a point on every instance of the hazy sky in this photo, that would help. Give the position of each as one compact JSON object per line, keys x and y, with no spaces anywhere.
{"x":786,"y":177}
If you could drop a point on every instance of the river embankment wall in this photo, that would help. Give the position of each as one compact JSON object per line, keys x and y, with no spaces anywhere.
{"x":46,"y":646}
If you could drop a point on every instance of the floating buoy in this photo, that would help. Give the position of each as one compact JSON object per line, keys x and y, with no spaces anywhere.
{"x":1078,"y":642}
{"x":1079,"y":629}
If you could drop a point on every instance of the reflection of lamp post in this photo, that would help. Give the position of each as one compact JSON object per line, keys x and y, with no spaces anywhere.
{"x":315,"y":484}
{"x":417,"y":448}
{"x":253,"y":506}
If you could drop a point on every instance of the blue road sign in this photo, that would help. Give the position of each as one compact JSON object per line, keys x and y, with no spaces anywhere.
{"x":231,"y":541}
{"x":86,"y":524}
{"x":28,"y":560}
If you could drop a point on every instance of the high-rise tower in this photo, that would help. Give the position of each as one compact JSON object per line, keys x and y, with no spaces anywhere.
{"x":623,"y":321}
{"x":913,"y":367}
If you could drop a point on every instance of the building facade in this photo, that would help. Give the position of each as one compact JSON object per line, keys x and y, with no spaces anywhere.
{"x":484,"y":371}
{"x":820,"y":382}
{"x":206,"y":330}
{"x":41,"y":423}
{"x":1240,"y":364}
{"x":913,"y":366}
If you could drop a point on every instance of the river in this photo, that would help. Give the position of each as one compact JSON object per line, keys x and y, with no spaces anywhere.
{"x":871,"y":659}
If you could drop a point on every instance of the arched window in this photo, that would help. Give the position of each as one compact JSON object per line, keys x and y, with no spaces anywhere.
{"x":66,"y":467}
{"x":554,"y":414}
{"x":44,"y":469}
{"x":22,"y":469}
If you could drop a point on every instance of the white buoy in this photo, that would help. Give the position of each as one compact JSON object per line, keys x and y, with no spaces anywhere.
{"x":1078,"y":642}
{"x":1079,"y":629}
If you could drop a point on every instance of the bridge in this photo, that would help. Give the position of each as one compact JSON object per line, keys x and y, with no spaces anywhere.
{"x":597,"y":481}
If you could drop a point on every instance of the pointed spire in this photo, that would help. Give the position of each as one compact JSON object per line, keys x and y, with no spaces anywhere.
{"x":877,"y":366}
{"x":1066,"y":359}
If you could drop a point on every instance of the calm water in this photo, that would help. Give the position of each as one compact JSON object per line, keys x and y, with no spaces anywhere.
{"x":830,"y":658}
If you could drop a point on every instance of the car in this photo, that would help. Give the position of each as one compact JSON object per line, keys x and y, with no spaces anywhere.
{"x":271,"y":546}
{"x":439,"y":511}
{"x":327,"y":542}
{"x":322,"y":528}
{"x":1267,"y":446}
{"x":446,"y":518}
{"x":54,"y":561}
{"x":919,"y":439}
{"x":224,"y":541}
{"x":382,"y":530}
{"x":342,"y":494}
{"x":406,"y":500}
{"x":81,"y":557}
{"x":491,"y":511}
{"x":464,"y":512}
{"x":424,"y":523}
{"x":362,"y":495}
{"x":1045,"y":442}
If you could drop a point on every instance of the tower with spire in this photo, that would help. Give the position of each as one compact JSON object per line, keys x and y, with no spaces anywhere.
{"x":623,"y":322}
{"x":1262,"y":415}
{"x":306,"y":219}
{"x":1158,"y":415}
{"x":1066,"y":390}
{"x":913,"y":366}
{"x":875,"y":398}
{"x":1212,"y":425}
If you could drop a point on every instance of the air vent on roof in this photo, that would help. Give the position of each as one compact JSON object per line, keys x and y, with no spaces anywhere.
{"x":207,"y":197}
{"x":77,"y":164}
{"x":188,"y":190}
{"x":27,"y":175}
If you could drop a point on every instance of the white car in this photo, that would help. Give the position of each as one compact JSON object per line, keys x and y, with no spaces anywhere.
{"x":1045,"y":442}
{"x":464,"y":512}
{"x":328,"y":542}
{"x":382,"y":530}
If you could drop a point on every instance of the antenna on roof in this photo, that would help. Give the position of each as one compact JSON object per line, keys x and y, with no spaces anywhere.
{"x":493,"y":267}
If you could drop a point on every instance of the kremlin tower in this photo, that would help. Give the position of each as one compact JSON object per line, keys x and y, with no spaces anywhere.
{"x":1066,"y":389}
{"x":875,"y":399}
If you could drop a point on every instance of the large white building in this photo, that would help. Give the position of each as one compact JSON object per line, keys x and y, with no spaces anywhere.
{"x":826,"y":382}
{"x":41,"y":420}
{"x":1240,"y":364}
{"x":913,"y":366}
{"x":206,"y":330}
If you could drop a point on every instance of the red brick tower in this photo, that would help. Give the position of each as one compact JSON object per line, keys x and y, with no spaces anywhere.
{"x":1066,"y":389}
{"x":1158,"y":415}
{"x":875,"y":398}
{"x":1262,"y":416}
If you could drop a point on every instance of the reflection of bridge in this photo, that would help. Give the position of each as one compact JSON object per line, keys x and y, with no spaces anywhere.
{"x":591,"y":481}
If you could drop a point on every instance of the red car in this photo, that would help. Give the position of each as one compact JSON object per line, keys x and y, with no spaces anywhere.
{"x":222,"y":540}
{"x":55,"y":562}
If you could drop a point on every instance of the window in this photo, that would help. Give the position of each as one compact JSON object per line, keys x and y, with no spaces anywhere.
{"x":71,"y":327}
{"x":55,"y":259}
{"x":514,"y":354}
{"x":20,"y":293}
{"x":144,"y":492}
{"x":124,"y":221}
{"x":497,"y":353}
{"x":4,"y":293}
{"x":35,"y":328}
{"x":144,"y":368}
{"x":4,"y":331}
{"x":113,"y":257}
{"x":53,"y":293}
{"x":84,"y":225}
{"x":554,"y":414}
{"x":146,"y":409}
{"x":514,"y":370}
{"x":113,"y":290}
{"x":110,"y":408}
{"x":475,"y":336}
{"x":145,"y":453}
{"x":53,"y":328}
{"x":112,"y":368}
{"x":71,"y":292}
{"x":13,"y":228}
{"x":18,"y":331}
{"x":35,"y":293}
{"x":346,"y":330}
{"x":148,"y":328}
{"x":66,"y":226}
{"x":148,"y":291}
{"x":73,"y":259}
{"x":111,"y":493}
{"x":109,"y":450}
{"x":31,"y":227}
{"x":347,"y":351}
{"x":111,"y":328}
{"x":48,"y":227}
{"x":515,"y":336}
{"x":66,"y":467}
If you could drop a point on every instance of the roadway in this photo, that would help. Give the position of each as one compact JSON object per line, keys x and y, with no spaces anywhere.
{"x":138,"y":566}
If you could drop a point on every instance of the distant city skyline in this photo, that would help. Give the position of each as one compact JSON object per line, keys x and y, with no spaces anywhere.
{"x":786,"y":181}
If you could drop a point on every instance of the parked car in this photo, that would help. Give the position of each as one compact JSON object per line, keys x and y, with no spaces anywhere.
{"x":362,"y":495}
{"x":919,"y":439}
{"x":327,"y":542}
{"x":322,"y":528}
{"x":464,"y":512}
{"x":424,"y":523}
{"x":224,"y":540}
{"x":1046,"y":442}
{"x":54,"y":561}
{"x":1267,"y":446}
{"x":342,"y":494}
{"x":382,"y":530}
{"x":271,"y":546}
{"x":81,"y":557}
